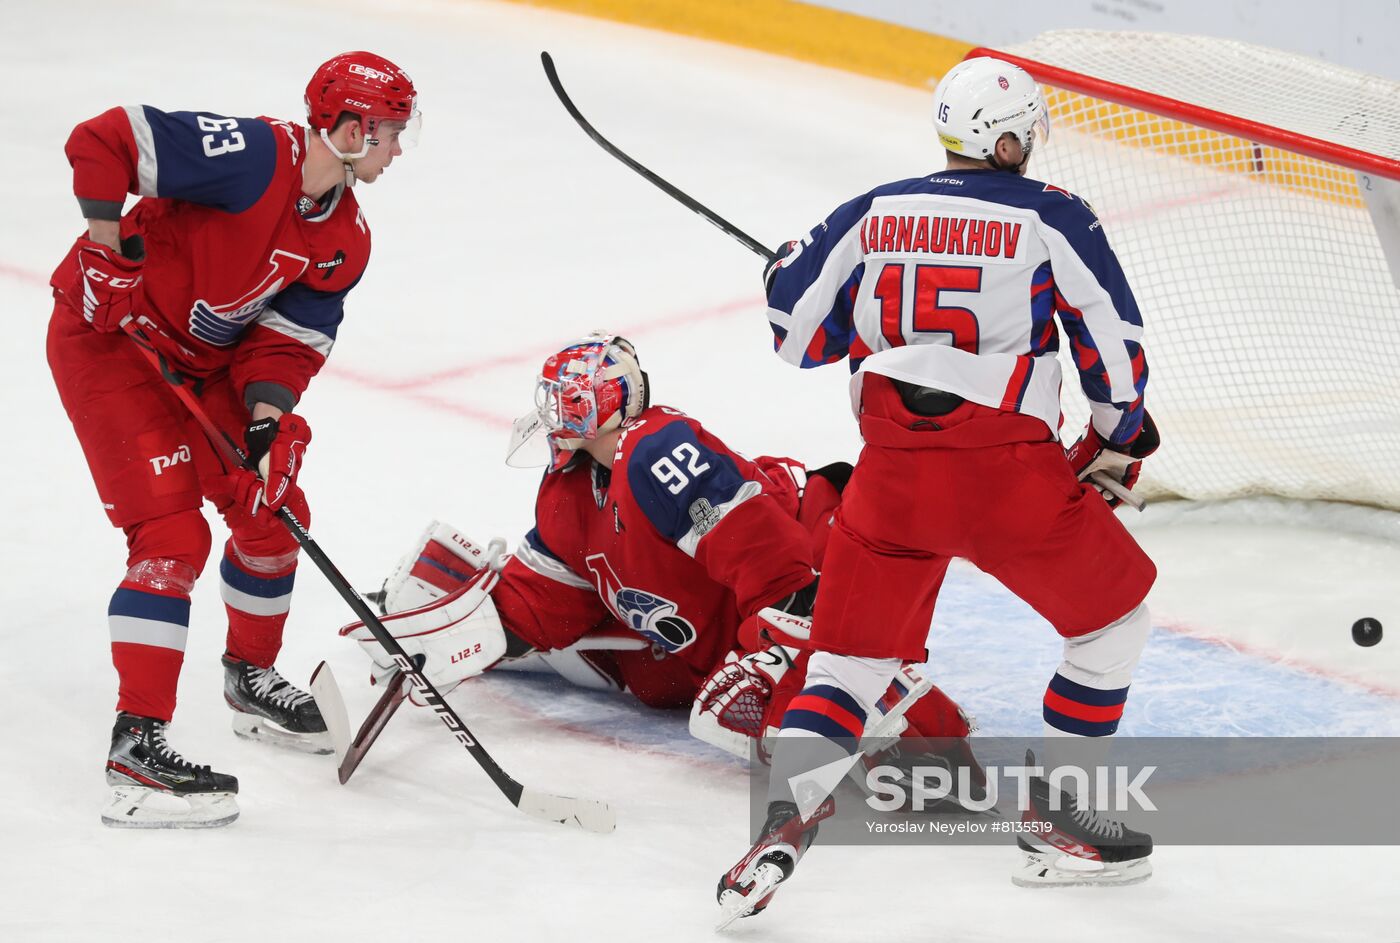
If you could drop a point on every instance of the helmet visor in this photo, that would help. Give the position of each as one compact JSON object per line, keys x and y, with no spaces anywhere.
{"x":527,"y":448}
{"x":381,"y":129}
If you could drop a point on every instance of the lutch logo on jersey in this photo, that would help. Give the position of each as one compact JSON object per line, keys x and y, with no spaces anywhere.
{"x":221,"y":325}
{"x":650,"y":616}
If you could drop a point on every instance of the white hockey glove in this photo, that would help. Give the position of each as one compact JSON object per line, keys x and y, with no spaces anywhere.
{"x":441,"y":560}
{"x":459,"y":636}
{"x":733,"y":701}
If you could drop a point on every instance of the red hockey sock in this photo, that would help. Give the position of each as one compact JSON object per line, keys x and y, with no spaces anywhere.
{"x":148,"y":631}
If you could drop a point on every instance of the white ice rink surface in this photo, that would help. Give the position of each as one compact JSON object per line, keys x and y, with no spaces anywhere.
{"x":504,"y":234}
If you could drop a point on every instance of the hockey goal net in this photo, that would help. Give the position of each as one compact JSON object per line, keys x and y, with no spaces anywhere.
{"x":1251,"y":196}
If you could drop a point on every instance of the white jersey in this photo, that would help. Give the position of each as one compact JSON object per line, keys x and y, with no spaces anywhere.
{"x":953,"y":281}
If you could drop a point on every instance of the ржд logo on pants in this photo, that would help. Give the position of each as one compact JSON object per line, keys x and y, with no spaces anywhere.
{"x":161,"y":462}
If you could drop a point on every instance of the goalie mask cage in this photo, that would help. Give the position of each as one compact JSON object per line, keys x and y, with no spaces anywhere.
{"x":1245,"y":192}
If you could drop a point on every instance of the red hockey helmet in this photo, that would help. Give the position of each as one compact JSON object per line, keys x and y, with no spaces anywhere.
{"x":583,"y":391}
{"x":366,"y":85}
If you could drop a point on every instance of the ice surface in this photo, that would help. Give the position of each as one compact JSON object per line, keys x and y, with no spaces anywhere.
{"x":506,"y":232}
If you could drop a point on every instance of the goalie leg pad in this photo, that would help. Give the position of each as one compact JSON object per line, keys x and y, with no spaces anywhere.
{"x":459,"y":635}
{"x":441,"y":561}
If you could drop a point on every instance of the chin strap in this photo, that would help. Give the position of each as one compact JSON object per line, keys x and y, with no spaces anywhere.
{"x":346,"y":160}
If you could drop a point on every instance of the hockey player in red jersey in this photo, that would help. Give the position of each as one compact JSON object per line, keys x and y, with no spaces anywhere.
{"x":235,"y":262}
{"x":661,"y":563}
{"x":943,"y":291}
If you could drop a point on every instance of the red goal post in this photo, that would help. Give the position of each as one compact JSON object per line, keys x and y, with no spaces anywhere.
{"x":1253,"y":197}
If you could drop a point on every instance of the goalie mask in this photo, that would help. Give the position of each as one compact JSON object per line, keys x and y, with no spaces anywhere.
{"x":585,"y":390}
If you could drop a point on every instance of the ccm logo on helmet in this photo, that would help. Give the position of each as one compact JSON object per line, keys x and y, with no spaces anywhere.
{"x":370,"y":73}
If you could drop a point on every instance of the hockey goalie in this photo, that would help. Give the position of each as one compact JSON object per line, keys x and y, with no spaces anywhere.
{"x":662,"y":563}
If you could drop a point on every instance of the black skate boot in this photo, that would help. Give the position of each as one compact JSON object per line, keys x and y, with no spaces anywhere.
{"x":155,"y":787}
{"x":1077,"y":846}
{"x":270,"y":708}
{"x":747,"y":887}
{"x":899,"y":762}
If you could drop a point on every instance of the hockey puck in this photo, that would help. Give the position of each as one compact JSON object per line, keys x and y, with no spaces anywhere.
{"x":1366,"y":632}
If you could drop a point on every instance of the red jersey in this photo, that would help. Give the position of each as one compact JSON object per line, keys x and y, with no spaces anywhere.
{"x":680,"y":541}
{"x":242,"y":270}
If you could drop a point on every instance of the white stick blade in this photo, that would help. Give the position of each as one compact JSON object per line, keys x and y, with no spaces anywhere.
{"x":332,"y":706}
{"x":587,"y":814}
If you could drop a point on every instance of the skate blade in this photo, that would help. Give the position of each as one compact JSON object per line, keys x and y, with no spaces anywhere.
{"x":143,"y":807}
{"x":1043,"y":870}
{"x":733,"y":904}
{"x":253,"y":727}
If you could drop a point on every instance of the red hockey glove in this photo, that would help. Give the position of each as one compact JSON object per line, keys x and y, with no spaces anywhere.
{"x":107,"y":288}
{"x":1092,"y":456}
{"x":276,"y":446}
{"x":246,"y":488}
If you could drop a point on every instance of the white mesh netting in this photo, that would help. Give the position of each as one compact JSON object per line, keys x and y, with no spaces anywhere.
{"x":1272,"y":319}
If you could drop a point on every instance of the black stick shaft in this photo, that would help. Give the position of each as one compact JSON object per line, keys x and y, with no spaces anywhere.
{"x":233,"y":453}
{"x":695,"y":206}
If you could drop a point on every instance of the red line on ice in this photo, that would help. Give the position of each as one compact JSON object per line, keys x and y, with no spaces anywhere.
{"x":1267,"y":654}
{"x":23,"y":274}
{"x":416,"y":388}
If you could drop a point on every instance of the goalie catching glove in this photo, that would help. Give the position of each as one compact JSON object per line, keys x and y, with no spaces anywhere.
{"x":459,"y":635}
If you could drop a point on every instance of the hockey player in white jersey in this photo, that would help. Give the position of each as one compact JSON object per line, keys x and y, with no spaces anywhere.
{"x":943,"y":291}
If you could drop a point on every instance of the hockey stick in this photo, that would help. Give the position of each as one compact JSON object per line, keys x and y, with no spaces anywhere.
{"x":331,"y":703}
{"x":588,"y":814}
{"x":349,"y":752}
{"x":1103,"y":480}
{"x":724,"y":225}
{"x":720,"y":223}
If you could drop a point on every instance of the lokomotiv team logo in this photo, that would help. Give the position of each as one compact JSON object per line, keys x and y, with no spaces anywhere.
{"x":222,"y":325}
{"x":651,"y":616}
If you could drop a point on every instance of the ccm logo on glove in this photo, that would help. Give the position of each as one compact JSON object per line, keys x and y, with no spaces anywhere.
{"x":108,"y":288}
{"x":277,"y":447}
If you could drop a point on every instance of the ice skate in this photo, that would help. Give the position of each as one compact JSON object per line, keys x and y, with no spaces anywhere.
{"x":749,"y":886}
{"x":270,"y":708}
{"x":155,"y":787}
{"x":910,"y":768}
{"x":1077,"y":846}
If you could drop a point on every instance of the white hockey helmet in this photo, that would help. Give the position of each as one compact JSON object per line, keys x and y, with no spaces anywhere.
{"x":981,"y":99}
